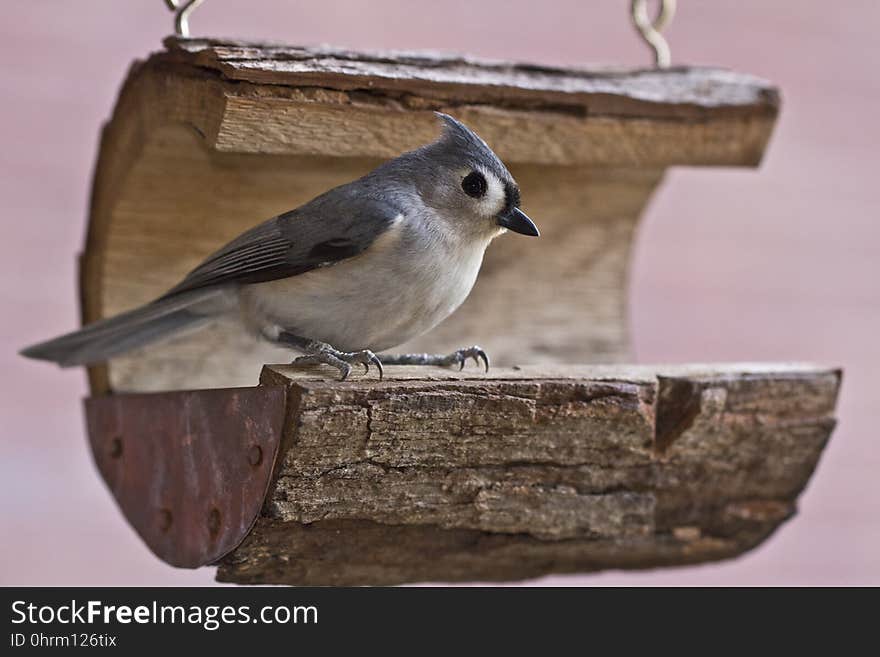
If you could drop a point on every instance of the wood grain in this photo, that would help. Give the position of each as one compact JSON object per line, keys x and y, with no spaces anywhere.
{"x":526,"y":472}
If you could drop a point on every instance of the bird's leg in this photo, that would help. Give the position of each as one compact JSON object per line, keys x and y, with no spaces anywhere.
{"x":321,"y":352}
{"x":458,"y":357}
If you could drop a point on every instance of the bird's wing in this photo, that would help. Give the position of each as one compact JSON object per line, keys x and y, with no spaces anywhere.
{"x":330,"y":228}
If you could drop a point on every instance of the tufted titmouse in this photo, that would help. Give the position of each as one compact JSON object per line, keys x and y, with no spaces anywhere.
{"x":362,"y":268}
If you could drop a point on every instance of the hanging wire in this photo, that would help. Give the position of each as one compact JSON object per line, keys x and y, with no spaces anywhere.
{"x":650,"y":30}
{"x":182,"y":9}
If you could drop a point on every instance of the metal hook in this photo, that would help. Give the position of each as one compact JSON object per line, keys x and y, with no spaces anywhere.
{"x":182,"y":9}
{"x":650,"y":30}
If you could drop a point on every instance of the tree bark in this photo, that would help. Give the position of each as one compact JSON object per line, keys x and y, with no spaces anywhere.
{"x":432,"y":475}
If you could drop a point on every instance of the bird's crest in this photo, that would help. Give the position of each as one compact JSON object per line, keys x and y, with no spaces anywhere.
{"x":458,"y":138}
{"x":457,"y":133}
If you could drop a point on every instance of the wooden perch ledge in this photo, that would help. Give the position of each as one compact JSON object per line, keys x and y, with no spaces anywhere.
{"x":530,"y":471}
{"x":440,"y":475}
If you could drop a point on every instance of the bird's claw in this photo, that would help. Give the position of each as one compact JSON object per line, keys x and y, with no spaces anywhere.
{"x":459,"y":357}
{"x":480,"y":357}
{"x":344,"y":370}
{"x":341,"y":360}
{"x":370,"y":359}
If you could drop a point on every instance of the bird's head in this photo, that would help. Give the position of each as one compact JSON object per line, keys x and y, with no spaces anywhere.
{"x":466,"y":182}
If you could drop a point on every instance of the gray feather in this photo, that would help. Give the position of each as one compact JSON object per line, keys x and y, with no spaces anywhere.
{"x":110,"y":337}
{"x":337,"y":225}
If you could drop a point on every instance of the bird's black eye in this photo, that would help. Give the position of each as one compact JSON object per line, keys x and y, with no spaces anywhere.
{"x":474,"y":184}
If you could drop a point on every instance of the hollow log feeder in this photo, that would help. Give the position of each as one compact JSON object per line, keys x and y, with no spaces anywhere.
{"x":431,"y":475}
{"x":457,"y":476}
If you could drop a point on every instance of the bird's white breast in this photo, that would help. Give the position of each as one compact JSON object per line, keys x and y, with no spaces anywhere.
{"x":405,"y":283}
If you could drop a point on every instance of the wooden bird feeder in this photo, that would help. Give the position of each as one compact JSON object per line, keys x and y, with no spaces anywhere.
{"x":294,"y":477}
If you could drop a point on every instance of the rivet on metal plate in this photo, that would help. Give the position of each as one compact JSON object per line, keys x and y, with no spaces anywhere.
{"x":255,"y":455}
{"x":214,"y":522}
{"x":165,"y":519}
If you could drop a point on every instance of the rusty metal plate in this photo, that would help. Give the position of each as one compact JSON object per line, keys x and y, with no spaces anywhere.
{"x":189,"y":469}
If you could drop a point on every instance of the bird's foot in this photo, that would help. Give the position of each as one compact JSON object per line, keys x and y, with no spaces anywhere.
{"x":458,"y":357}
{"x":321,"y":352}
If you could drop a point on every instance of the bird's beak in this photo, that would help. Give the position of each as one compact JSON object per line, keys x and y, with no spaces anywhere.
{"x":519,"y":222}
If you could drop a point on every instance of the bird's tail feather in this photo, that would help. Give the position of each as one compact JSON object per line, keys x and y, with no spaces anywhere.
{"x":115,"y":335}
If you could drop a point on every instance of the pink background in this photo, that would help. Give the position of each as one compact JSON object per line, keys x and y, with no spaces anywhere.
{"x":775,"y":264}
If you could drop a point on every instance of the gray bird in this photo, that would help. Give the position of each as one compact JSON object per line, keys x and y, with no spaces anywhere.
{"x":362,"y":268}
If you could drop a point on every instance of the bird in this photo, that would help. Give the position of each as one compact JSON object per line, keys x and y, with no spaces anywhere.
{"x":360,"y":269}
